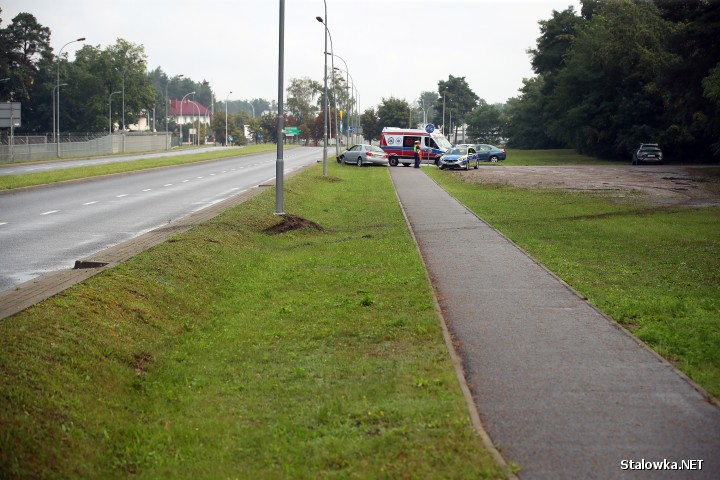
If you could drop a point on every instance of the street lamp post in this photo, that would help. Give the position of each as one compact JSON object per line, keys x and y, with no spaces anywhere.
{"x":55,"y":91}
{"x":139,"y":62}
{"x":197,"y":132}
{"x":226,"y":129}
{"x":280,"y":162}
{"x":82,"y":39}
{"x":443,"y":127}
{"x":352,"y":95}
{"x":167,"y":143}
{"x":110,"y":113}
{"x":325,"y":139}
{"x":181,"y":115}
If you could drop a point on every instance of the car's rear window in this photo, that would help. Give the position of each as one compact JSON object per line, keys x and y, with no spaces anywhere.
{"x":375,"y":148}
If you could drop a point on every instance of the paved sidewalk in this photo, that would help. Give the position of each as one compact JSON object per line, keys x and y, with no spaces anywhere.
{"x":562,"y":390}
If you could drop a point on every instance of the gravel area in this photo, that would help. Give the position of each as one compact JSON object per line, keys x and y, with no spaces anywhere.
{"x":659,"y":184}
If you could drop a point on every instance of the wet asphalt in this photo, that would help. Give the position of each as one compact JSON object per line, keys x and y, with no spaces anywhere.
{"x":561,"y":389}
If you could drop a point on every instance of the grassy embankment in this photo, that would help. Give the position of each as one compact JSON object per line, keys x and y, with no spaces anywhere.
{"x":52,"y":176}
{"x":229,"y":352}
{"x":655,"y":269}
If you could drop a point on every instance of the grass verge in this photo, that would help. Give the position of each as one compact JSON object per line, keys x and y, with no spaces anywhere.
{"x":654,"y":269}
{"x":53,"y":176}
{"x":233,"y":352}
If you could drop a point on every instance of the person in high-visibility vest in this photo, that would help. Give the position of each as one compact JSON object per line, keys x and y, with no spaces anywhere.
{"x":417,"y":153}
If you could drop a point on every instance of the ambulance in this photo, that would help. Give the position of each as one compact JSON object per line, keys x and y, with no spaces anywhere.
{"x":398,"y":144}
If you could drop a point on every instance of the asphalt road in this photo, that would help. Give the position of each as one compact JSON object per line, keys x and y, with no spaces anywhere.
{"x":46,"y":229}
{"x":35,"y":167}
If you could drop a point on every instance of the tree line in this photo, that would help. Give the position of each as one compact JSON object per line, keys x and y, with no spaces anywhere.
{"x":617,"y":73}
{"x":623,"y":72}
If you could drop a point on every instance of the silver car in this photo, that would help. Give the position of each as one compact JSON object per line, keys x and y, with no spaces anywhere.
{"x":363,"y":154}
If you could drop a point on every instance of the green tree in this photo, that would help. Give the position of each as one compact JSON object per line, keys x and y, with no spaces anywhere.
{"x":393,"y":112}
{"x":370,"y":124}
{"x":524,"y":125}
{"x":691,"y":115}
{"x":26,"y":59}
{"x":459,"y":99}
{"x":94,"y":75}
{"x":429,"y":100}
{"x":486,"y":123}
{"x":302,"y":93}
{"x":607,"y":92}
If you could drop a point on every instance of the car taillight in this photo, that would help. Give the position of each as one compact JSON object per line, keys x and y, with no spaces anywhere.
{"x":503,"y":150}
{"x":369,"y":154}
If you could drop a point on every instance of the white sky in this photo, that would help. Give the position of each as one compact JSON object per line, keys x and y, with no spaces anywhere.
{"x":392,"y":47}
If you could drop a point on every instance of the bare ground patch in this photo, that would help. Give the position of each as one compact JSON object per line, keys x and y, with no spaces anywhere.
{"x":658,"y":184}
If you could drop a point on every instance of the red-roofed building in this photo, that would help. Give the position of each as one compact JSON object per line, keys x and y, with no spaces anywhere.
{"x":188,"y":112}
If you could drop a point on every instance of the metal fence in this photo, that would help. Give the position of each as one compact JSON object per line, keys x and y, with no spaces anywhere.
{"x":44,"y":147}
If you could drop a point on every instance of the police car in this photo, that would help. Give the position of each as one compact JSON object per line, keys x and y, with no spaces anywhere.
{"x":461,"y":157}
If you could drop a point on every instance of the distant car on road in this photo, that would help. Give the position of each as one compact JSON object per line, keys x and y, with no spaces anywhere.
{"x":459,"y":157}
{"x":647,"y":153}
{"x":363,"y":154}
{"x":490,"y":153}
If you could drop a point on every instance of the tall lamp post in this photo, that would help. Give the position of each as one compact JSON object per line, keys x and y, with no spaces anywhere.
{"x":325,"y":139}
{"x":167,"y":144}
{"x":139,"y":62}
{"x":181,"y":114}
{"x":197,"y":132}
{"x":280,"y":162}
{"x":226,"y":129}
{"x":82,"y":39}
{"x":444,"y":92}
{"x":347,"y":74}
{"x":110,"y":112}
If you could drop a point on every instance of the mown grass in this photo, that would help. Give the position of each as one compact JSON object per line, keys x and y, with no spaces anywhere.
{"x":228,"y":352}
{"x":53,"y":176}
{"x":655,"y":269}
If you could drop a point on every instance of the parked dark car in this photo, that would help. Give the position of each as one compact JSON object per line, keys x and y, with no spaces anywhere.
{"x":647,"y":153}
{"x":362,"y":154}
{"x":490,"y":153}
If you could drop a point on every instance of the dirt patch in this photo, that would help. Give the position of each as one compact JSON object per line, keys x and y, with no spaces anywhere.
{"x":290,"y":223}
{"x":658,"y":184}
{"x":141,"y":361}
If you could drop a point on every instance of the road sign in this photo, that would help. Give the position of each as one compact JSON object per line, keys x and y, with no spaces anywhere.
{"x":10,"y":111}
{"x":292,"y":131}
{"x":429,"y":128}
{"x":350,"y":129}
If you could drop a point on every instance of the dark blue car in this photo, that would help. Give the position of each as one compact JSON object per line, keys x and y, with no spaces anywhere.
{"x":490,"y":153}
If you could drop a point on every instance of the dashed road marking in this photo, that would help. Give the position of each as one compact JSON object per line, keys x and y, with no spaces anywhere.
{"x":89,"y":203}
{"x":121,"y":195}
{"x":50,"y":212}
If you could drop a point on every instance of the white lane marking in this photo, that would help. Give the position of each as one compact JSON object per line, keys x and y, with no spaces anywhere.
{"x":198,"y":177}
{"x":3,"y":223}
{"x":148,"y":190}
{"x":185,"y":181}
{"x":168,"y":185}
{"x":121,"y":195}
{"x":50,"y":212}
{"x":212,"y":174}
{"x":89,"y":203}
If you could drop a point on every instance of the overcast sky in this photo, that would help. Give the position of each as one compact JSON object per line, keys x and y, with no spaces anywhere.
{"x":392,"y":47}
